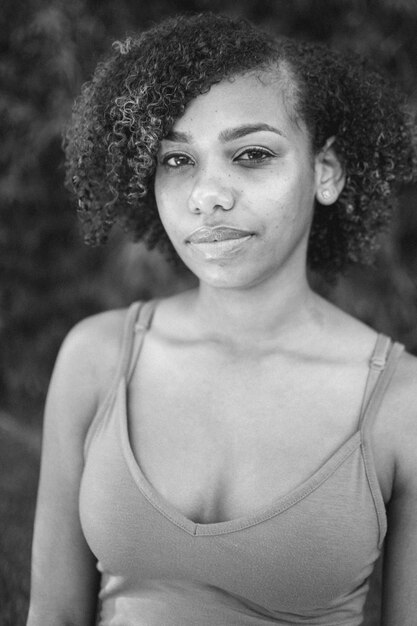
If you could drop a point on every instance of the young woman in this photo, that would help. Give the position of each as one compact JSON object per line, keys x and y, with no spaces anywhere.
{"x":239,"y":453}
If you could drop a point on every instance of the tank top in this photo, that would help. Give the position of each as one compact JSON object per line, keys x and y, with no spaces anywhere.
{"x":303,"y":559}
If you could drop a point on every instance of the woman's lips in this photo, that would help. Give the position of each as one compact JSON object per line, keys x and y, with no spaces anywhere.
{"x":206,"y":234}
{"x":218,"y":243}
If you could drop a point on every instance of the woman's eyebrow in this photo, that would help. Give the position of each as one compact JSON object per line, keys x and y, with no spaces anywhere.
{"x":228,"y":134}
{"x":246,"y":129}
{"x":174,"y":135}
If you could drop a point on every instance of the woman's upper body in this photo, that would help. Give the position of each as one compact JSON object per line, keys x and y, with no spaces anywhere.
{"x":246,"y":385}
{"x":212,"y":470}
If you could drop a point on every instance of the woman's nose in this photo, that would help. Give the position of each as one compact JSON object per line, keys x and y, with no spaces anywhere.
{"x":210,"y":193}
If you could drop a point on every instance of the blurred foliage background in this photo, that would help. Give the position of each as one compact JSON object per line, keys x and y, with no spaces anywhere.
{"x":49,"y":279}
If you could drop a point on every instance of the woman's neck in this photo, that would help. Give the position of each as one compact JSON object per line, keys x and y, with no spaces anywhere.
{"x":284,"y":313}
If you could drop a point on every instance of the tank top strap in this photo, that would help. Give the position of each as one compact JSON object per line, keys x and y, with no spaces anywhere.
{"x":376,"y":366}
{"x":127,"y":338}
{"x":123,"y":361}
{"x":381,"y":369}
{"x":142,"y":313}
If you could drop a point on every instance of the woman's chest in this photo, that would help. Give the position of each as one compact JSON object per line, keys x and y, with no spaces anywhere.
{"x":221,"y":440}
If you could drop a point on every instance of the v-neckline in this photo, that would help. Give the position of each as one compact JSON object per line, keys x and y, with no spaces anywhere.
{"x":262,"y":514}
{"x":278,"y":505}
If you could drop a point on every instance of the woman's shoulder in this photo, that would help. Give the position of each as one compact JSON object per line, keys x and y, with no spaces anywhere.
{"x":402,"y":391}
{"x":102,"y":330}
{"x":90,"y":353}
{"x":96,"y":336}
{"x":399,"y":417}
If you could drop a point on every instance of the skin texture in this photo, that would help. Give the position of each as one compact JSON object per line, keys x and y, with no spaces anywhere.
{"x":252,"y":337}
{"x":216,"y":167}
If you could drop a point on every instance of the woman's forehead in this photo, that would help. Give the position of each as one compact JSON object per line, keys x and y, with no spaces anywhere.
{"x":256,"y":97}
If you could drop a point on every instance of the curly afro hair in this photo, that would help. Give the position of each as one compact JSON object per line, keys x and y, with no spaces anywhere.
{"x":137,"y":94}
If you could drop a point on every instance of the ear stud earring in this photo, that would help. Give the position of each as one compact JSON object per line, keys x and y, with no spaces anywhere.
{"x":326,"y":194}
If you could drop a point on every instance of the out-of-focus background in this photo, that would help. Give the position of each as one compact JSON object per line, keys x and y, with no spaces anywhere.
{"x":49,"y":279}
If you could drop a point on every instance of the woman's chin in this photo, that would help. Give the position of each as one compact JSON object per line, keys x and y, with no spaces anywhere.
{"x":221,"y":277}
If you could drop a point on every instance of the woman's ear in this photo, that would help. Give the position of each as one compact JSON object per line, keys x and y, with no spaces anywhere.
{"x":329,"y":173}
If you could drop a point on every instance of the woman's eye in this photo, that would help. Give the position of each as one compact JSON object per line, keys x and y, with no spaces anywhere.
{"x":176,"y":160}
{"x":254,"y":155}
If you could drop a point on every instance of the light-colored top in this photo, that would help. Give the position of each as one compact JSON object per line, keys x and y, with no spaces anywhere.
{"x":304,"y":559}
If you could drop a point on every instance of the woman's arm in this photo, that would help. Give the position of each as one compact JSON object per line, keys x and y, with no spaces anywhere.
{"x":399,"y":600}
{"x":399,"y":594}
{"x":64,"y":580}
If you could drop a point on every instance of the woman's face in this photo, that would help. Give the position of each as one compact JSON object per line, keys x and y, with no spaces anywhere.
{"x":235,"y":184}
